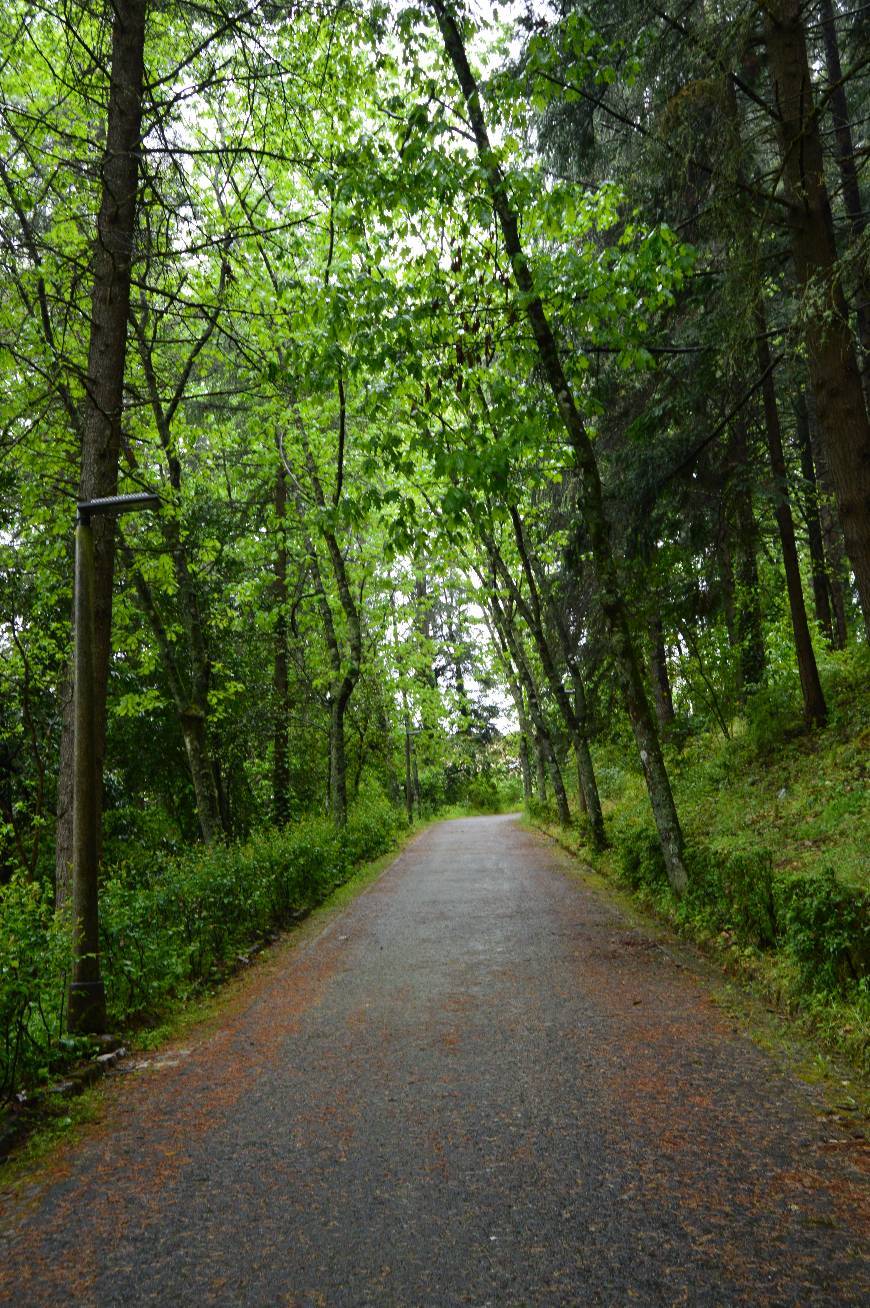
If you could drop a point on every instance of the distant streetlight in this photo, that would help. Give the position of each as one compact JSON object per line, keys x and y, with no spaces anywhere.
{"x":86,"y":1012}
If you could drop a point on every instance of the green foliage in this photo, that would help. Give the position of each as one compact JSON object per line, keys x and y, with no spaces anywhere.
{"x":825,"y":928}
{"x":639,"y":855}
{"x":735,"y":893}
{"x":34,"y":967}
{"x":169,"y":927}
{"x":484,"y":795}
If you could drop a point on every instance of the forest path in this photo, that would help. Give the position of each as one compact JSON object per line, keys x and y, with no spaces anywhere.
{"x":479,"y":1085}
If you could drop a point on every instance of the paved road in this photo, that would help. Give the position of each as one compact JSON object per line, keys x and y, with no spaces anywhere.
{"x":478,"y":1086}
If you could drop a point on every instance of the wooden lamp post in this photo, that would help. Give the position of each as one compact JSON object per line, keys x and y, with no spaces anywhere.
{"x":86,"y":1012}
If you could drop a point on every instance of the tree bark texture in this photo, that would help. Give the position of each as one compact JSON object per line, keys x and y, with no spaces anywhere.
{"x":844,"y":148}
{"x":815,"y":710}
{"x":821,"y":590}
{"x":592,"y":504}
{"x":573,"y":714}
{"x":833,"y":366}
{"x":547,"y":761}
{"x":659,"y":679}
{"x":104,"y":383}
{"x":832,"y":533}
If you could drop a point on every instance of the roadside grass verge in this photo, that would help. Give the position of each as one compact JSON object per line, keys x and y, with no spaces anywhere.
{"x":171,"y":929}
{"x":777,"y":825}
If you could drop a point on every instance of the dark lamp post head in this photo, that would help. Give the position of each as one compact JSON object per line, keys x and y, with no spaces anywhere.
{"x":114,"y":504}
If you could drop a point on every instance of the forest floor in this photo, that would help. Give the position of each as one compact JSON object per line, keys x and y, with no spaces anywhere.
{"x":480,"y":1082}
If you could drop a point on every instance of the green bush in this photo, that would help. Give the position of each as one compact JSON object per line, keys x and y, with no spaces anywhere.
{"x":483,"y":795}
{"x":639,"y":855}
{"x":825,"y":928}
{"x":816,"y":920}
{"x":34,"y":968}
{"x":372,"y":827}
{"x":732,"y":889}
{"x":167,"y":927}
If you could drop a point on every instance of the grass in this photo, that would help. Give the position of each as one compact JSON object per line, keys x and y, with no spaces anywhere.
{"x":55,"y":1119}
{"x":771,"y":786}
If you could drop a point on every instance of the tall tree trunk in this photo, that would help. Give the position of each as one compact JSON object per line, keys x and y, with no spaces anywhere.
{"x":202,"y":774}
{"x":540,"y":767}
{"x":409,"y":788}
{"x":104,"y":384}
{"x":346,"y":670}
{"x":547,"y":762}
{"x":525,"y":735}
{"x":574,"y":721}
{"x":833,"y":366}
{"x":821,"y":595}
{"x":562,"y":810}
{"x":815,"y":710}
{"x":280,"y":681}
{"x":338,"y":760}
{"x":525,"y":768}
{"x":844,"y":149}
{"x":661,"y":682}
{"x":747,"y":592}
{"x":591,"y":499}
{"x":832,"y":535}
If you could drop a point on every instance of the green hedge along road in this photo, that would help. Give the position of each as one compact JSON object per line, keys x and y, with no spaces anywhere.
{"x":478,"y":1085}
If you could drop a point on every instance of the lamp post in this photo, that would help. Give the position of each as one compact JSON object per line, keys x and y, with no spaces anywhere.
{"x":86,"y":1012}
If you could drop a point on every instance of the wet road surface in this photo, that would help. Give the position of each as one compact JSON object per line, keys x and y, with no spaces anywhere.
{"x":479,"y":1085}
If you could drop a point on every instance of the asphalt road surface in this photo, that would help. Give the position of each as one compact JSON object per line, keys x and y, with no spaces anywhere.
{"x":478,"y":1085}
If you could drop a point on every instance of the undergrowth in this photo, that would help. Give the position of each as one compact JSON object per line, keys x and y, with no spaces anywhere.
{"x":169,"y":926}
{"x":777,"y":824}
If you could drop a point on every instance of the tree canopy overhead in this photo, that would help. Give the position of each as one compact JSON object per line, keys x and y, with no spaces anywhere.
{"x":502,"y":374}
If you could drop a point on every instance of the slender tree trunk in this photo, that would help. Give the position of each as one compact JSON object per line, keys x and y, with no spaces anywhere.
{"x":280,"y":681}
{"x":562,"y":809}
{"x":202,"y":773}
{"x":661,"y":682}
{"x":409,"y":788}
{"x":574,"y":720}
{"x":547,"y":762}
{"x":832,"y":535}
{"x":540,"y":767}
{"x":749,"y":628}
{"x":104,"y":383}
{"x":525,"y":768}
{"x":815,"y":711}
{"x":592,"y":502}
{"x":525,"y":735}
{"x":337,"y":761}
{"x":821,"y":596}
{"x":833,"y":366}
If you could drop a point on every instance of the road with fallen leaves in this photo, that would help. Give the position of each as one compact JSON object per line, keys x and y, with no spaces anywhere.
{"x":480,"y":1084}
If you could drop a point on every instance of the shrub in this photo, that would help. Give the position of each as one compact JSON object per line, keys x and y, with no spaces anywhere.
{"x":372,"y":827}
{"x":168,"y":926}
{"x":825,"y":928}
{"x":639,"y":855}
{"x":34,"y":968}
{"x":483,"y":795}
{"x":732,"y":889}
